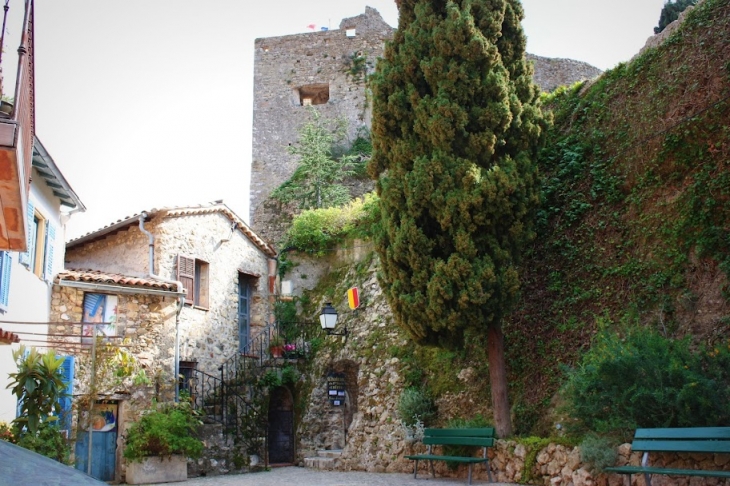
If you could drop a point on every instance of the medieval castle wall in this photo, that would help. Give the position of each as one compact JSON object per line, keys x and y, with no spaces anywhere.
{"x":327,"y":70}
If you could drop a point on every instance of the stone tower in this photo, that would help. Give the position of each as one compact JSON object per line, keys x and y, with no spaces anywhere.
{"x":324,"y":69}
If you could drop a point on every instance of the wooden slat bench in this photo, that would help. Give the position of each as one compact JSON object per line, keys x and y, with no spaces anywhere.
{"x":482,"y":437}
{"x":708,"y":440}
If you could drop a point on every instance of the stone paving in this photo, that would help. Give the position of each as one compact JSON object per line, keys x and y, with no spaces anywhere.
{"x":299,"y":476}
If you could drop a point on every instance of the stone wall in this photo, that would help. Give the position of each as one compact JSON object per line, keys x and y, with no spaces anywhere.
{"x":210,"y":335}
{"x":551,"y":73}
{"x":283,"y":65}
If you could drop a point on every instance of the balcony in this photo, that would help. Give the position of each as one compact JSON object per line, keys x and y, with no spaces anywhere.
{"x":17,"y":129}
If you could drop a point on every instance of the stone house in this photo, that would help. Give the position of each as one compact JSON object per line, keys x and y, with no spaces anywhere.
{"x":179,"y":288}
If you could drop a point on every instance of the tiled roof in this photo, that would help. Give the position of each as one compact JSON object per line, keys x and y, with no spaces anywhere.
{"x":7,"y":337}
{"x":95,"y":276}
{"x":217,"y":207}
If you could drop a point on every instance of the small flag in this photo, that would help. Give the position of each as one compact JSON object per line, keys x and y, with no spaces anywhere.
{"x":312,"y":26}
{"x":324,"y":29}
{"x":353,"y":298}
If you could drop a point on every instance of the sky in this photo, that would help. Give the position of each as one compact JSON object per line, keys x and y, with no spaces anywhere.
{"x":148,"y":103}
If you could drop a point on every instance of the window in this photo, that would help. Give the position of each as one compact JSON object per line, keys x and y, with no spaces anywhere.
{"x":100,"y":311}
{"x":245,"y":283}
{"x":312,"y":94}
{"x":193,"y":274}
{"x":5,"y":263}
{"x":41,"y":238}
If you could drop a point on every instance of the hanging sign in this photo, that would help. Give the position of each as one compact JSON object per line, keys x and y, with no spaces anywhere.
{"x":336,"y":389}
{"x":353,"y":298}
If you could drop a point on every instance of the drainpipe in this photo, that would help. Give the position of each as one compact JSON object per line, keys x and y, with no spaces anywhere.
{"x":180,"y":302}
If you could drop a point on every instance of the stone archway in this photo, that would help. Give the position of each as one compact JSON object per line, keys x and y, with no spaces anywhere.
{"x":281,"y":426}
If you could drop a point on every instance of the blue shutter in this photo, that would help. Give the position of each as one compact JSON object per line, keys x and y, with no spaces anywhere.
{"x":50,"y":242}
{"x":25,"y":256}
{"x":67,"y":400}
{"x":5,"y":264}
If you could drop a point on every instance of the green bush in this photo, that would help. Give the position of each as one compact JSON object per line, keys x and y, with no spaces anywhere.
{"x":319,"y":230}
{"x":598,"y":451}
{"x":646,"y":380}
{"x":415,"y":405}
{"x":165,"y":430}
{"x":48,"y":441}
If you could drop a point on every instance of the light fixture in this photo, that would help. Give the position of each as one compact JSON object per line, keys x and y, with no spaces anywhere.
{"x":328,"y":321}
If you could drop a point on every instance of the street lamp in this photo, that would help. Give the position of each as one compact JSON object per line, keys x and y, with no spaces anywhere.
{"x":328,"y":321}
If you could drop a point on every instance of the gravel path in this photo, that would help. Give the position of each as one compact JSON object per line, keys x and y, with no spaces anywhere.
{"x":298,"y":476}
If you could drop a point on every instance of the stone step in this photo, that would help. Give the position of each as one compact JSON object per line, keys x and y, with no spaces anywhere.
{"x":325,"y":460}
{"x":334,"y":453}
{"x":321,"y":463}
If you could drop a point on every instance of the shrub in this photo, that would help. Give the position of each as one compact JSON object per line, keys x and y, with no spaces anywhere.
{"x":598,"y":451}
{"x":165,"y":430}
{"x":647,"y":380}
{"x":49,"y":441}
{"x":318,"y":230}
{"x":416,"y":405}
{"x":477,"y":421}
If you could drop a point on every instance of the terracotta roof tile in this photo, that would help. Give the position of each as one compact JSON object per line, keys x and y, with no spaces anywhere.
{"x":95,"y":276}
{"x":7,"y":337}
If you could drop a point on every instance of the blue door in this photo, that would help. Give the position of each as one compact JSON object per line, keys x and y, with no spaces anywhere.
{"x":103,"y":454}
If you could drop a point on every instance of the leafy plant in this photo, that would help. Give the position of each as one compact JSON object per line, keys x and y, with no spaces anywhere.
{"x":38,"y":386}
{"x":167,"y":429}
{"x":319,"y":230}
{"x":415,"y":405}
{"x":316,"y":182}
{"x":598,"y":451}
{"x":48,"y":441}
{"x":643,"y":379}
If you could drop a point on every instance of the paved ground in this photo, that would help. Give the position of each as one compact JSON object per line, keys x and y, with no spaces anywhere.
{"x":299,"y":476}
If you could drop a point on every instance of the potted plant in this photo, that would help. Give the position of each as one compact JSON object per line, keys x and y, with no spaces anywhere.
{"x":159,"y":444}
{"x":276,"y":346}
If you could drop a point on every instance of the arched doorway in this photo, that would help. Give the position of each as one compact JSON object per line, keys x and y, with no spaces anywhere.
{"x":281,"y":426}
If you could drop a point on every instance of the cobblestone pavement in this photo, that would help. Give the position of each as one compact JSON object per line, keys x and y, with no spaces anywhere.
{"x":299,"y":476}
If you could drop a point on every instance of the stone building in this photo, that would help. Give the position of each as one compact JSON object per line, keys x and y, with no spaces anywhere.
{"x":325,"y":69}
{"x":180,"y":288}
{"x":328,"y":70}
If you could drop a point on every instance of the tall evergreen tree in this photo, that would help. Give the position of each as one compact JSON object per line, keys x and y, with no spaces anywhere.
{"x":456,"y":129}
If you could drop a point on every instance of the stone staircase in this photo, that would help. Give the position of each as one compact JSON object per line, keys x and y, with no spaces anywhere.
{"x":324,"y":460}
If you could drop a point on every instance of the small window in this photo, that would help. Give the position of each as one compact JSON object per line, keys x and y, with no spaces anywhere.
{"x":41,"y":239}
{"x":193,"y":274}
{"x":313,"y":94}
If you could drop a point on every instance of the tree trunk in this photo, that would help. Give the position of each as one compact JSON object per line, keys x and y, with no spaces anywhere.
{"x":498,"y":380}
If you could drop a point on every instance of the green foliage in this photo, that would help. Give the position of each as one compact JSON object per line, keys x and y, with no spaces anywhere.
{"x":670,"y":12}
{"x":6,"y":432}
{"x":357,"y":65}
{"x":38,"y":386}
{"x":416,"y":405}
{"x":316,"y":182}
{"x":456,"y":128}
{"x":643,"y":379}
{"x":320,"y":230}
{"x":598,"y":451}
{"x":167,"y":429}
{"x":49,"y":441}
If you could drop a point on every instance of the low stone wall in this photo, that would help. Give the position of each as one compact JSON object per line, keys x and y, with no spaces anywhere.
{"x":220,"y":455}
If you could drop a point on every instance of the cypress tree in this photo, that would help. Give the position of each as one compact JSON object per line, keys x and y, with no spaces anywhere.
{"x":456,"y":129}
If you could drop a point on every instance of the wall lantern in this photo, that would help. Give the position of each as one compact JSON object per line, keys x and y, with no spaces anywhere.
{"x":328,"y":321}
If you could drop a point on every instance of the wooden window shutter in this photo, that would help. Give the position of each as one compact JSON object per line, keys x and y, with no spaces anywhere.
{"x":186,"y":275}
{"x":201,"y":270}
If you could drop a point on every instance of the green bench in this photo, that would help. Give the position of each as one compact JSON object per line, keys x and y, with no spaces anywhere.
{"x":483,"y":437}
{"x":709,"y":440}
